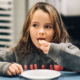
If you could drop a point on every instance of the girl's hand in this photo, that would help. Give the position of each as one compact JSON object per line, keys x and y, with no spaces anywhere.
{"x":44,"y":46}
{"x":14,"y":69}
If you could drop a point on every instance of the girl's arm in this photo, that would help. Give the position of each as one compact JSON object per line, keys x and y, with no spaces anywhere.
{"x":3,"y":68}
{"x":64,"y":54}
{"x":6,"y":58}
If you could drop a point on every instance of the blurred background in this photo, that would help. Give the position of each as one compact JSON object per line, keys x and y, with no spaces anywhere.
{"x":13,"y":14}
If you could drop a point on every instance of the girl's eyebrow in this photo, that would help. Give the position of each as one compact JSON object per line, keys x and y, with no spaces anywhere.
{"x":34,"y":22}
{"x":45,"y":23}
{"x":49,"y":23}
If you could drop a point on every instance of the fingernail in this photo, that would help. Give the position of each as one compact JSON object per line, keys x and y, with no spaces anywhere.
{"x":21,"y":65}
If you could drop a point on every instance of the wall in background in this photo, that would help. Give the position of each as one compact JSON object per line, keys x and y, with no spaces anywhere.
{"x":20,"y":10}
{"x":55,"y":3}
{"x":32,"y":2}
{"x":70,"y":7}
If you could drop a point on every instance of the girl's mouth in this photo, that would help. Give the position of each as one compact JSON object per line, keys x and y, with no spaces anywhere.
{"x":40,"y":39}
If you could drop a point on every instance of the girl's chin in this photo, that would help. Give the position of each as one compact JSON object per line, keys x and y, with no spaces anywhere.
{"x":38,"y":46}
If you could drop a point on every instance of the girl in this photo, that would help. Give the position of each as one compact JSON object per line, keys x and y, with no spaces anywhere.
{"x":44,"y":43}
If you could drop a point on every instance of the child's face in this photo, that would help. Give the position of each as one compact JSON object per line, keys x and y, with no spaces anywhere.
{"x":41,"y":27}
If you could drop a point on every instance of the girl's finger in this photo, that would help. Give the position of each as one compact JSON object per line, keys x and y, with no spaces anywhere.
{"x":15,"y":68}
{"x":9,"y":73}
{"x":44,"y":43}
{"x":12,"y":70}
{"x":44,"y":49}
{"x":46,"y":52}
{"x":19,"y":67}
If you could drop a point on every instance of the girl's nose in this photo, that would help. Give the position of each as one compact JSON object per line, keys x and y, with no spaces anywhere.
{"x":41,"y":31}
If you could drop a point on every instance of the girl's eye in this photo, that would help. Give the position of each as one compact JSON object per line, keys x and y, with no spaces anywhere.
{"x":35,"y":25}
{"x":48,"y":27}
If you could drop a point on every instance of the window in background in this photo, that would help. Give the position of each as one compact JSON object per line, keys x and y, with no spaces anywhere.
{"x":6,"y":24}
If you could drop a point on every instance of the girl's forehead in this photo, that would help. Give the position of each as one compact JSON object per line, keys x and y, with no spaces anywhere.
{"x":40,"y":12}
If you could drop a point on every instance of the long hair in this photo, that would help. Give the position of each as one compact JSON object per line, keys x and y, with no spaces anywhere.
{"x":25,"y":44}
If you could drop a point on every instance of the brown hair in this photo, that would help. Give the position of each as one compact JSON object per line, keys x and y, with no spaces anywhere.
{"x":25,"y":44}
